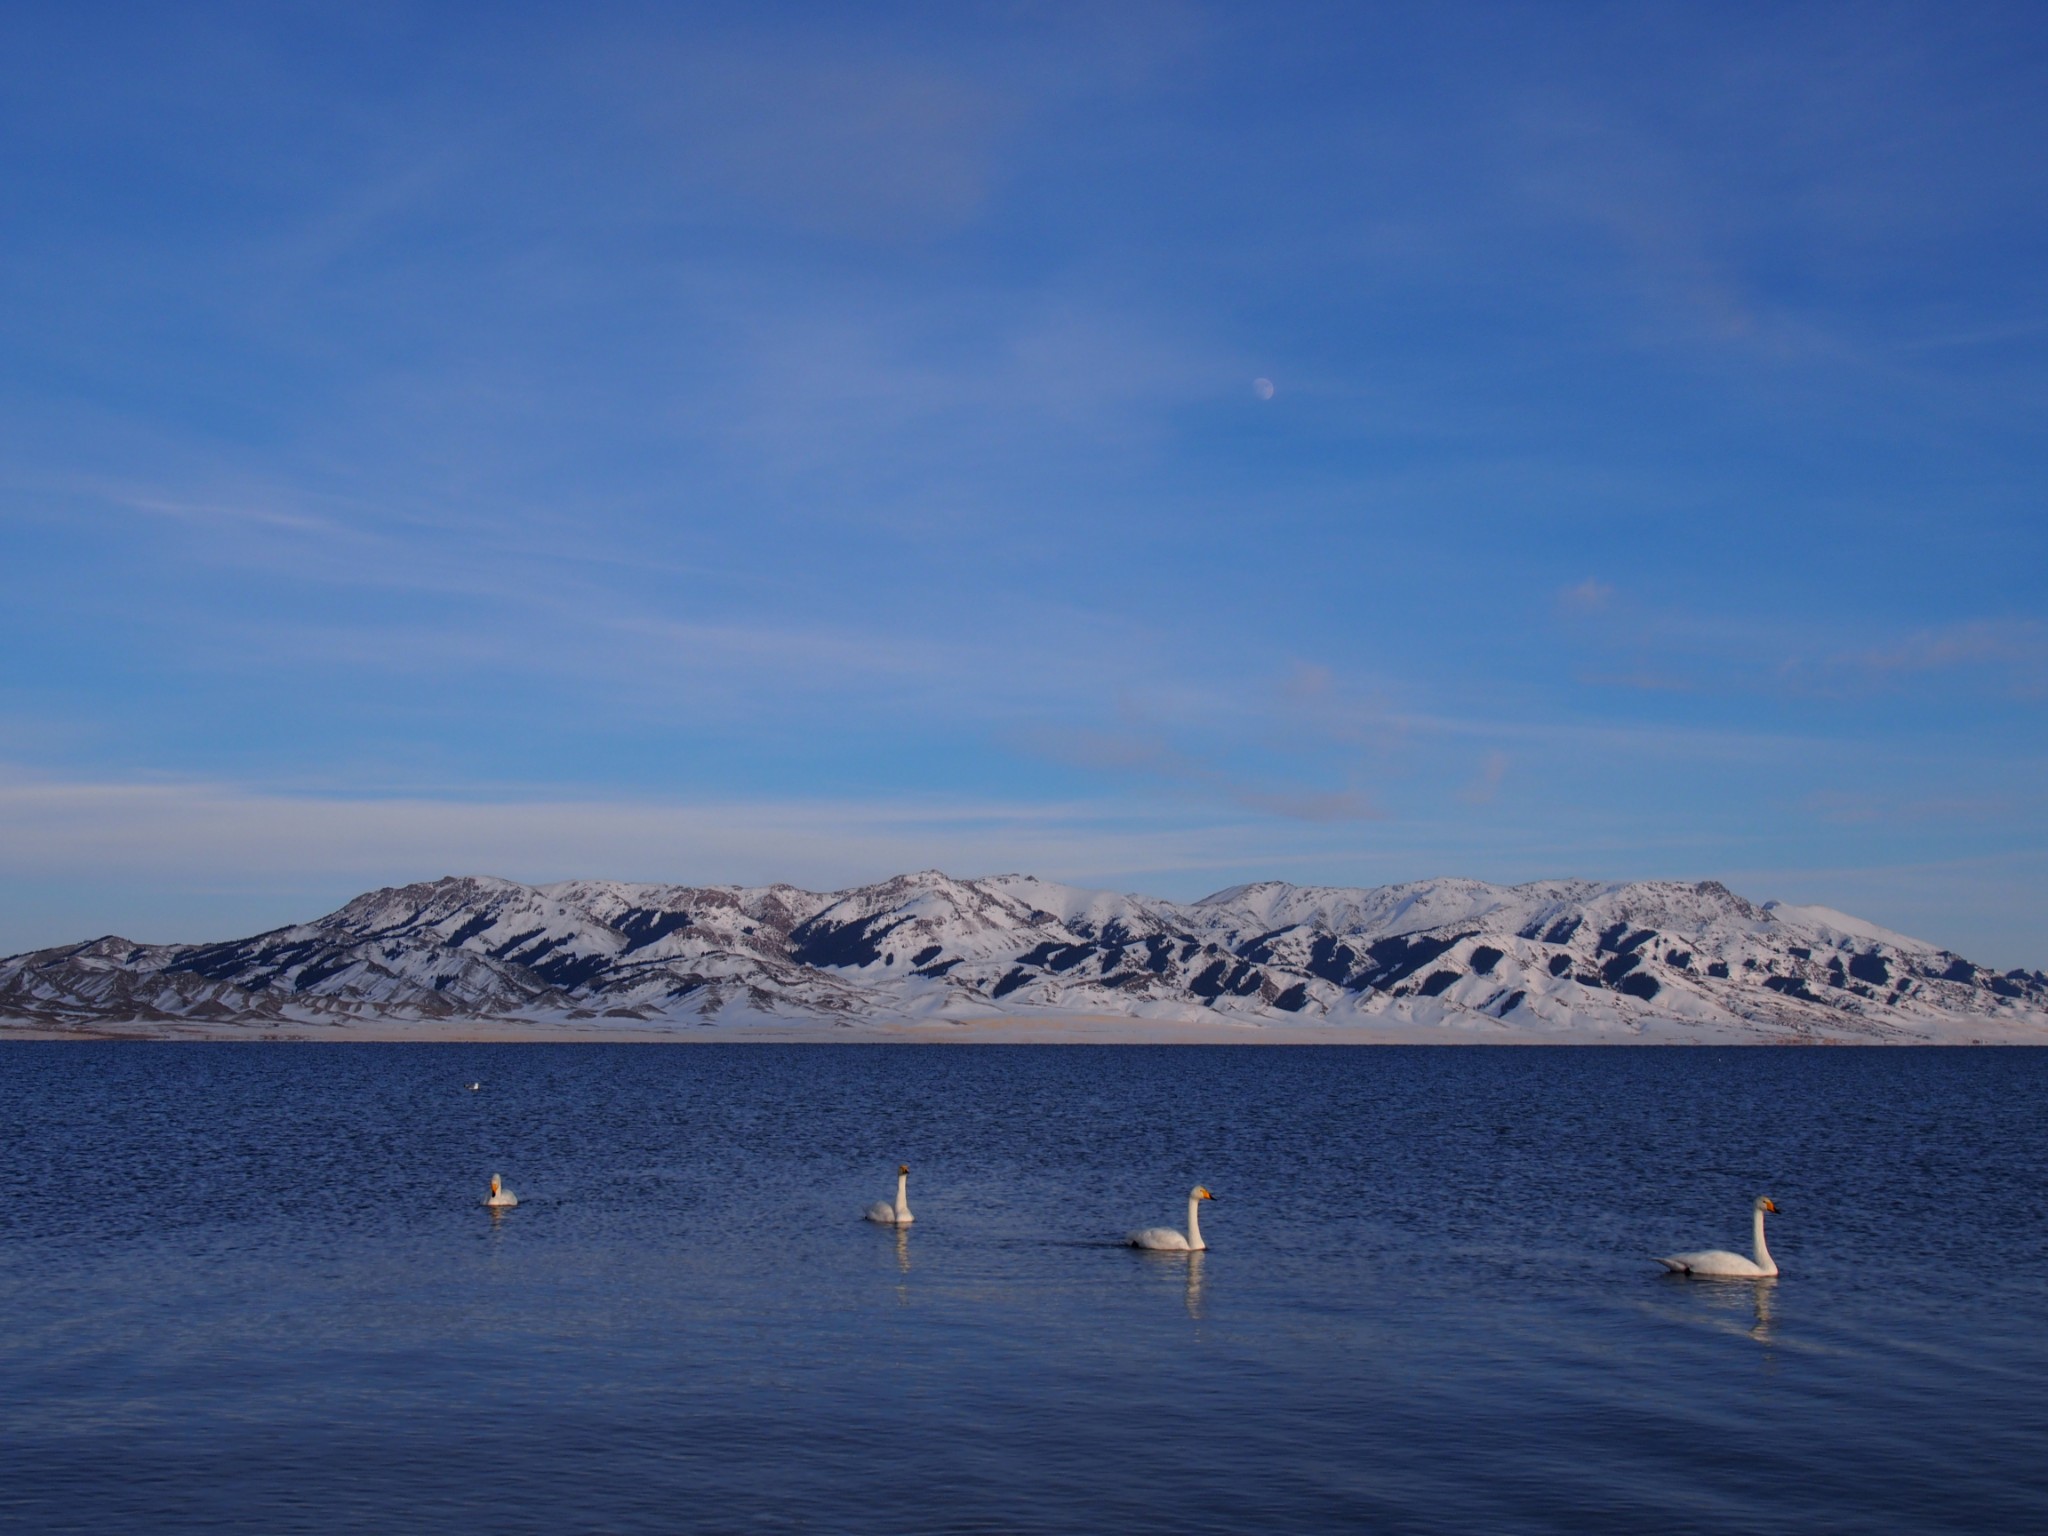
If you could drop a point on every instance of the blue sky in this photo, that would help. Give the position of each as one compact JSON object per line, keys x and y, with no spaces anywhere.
{"x":756,"y":442}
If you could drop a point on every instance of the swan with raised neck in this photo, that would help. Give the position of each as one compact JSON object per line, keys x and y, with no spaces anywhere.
{"x":1166,"y":1240}
{"x":898,"y":1214}
{"x":1719,"y":1263}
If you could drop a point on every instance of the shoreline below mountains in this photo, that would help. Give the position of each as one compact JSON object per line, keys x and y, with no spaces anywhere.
{"x":1004,"y":1032}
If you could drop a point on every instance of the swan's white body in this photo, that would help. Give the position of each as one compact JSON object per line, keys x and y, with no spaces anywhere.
{"x":897,"y":1215}
{"x":1166,"y":1240}
{"x":499,"y":1194}
{"x":1719,"y":1263}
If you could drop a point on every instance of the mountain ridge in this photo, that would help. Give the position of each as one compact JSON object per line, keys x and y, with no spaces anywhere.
{"x":1447,"y":958}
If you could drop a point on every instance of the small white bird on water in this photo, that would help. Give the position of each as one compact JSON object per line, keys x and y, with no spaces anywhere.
{"x":500,"y":1195}
{"x":897,"y":1215}
{"x":1719,"y":1263}
{"x":1166,"y":1240}
{"x":474,"y":1086}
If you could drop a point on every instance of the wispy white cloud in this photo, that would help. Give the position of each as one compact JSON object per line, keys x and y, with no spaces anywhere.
{"x":1146,"y":755}
{"x":887,"y":148}
{"x":2014,"y":650}
{"x":1667,"y":647}
{"x":225,"y":515}
{"x":1485,"y":786}
{"x":1586,"y":597}
{"x":153,"y":857}
{"x":207,"y":830}
{"x":127,"y":853}
{"x":1868,"y":808}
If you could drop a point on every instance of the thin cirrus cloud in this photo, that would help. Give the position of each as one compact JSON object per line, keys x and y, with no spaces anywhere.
{"x":216,"y":831}
{"x":1866,"y":809}
{"x":1148,"y":757}
{"x":2013,"y":650}
{"x":877,"y":149}
{"x":1589,"y":596}
{"x":139,"y":854}
{"x":1671,"y":650}
{"x":1485,"y":786}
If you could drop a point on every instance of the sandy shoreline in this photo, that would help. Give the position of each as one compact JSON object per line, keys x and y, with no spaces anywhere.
{"x":1065,"y":1030}
{"x":1018,"y":1031}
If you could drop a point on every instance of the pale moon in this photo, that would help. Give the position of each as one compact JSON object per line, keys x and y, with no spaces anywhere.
{"x":1263,"y":388}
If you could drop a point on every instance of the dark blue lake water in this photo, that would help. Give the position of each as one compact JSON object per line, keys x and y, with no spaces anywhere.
{"x":251,"y":1288}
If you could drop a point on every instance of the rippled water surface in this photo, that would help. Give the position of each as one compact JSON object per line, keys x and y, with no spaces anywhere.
{"x":252,"y":1288}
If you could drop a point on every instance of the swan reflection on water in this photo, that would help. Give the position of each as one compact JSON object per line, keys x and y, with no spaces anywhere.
{"x":1733,"y":1305}
{"x":1760,"y":1297}
{"x":499,"y":1200}
{"x":903,"y":1249}
{"x":1190,"y":1266}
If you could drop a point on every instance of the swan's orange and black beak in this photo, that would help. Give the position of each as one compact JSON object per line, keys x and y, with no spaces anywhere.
{"x":1771,"y":1206}
{"x":903,"y":1167}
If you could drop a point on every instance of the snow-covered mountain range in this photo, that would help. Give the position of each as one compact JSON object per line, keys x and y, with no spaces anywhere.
{"x":1451,"y":959}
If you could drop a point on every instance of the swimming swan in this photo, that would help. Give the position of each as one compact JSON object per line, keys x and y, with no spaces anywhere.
{"x":897,"y":1215}
{"x":1719,"y":1262}
{"x":499,"y":1194}
{"x":1166,"y":1240}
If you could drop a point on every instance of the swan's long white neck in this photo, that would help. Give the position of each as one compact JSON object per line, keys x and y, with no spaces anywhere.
{"x":1763,"y":1254}
{"x":1195,"y":1222}
{"x":903,"y":1197}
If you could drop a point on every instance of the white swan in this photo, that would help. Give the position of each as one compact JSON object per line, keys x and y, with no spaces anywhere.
{"x":1721,"y":1263}
{"x":897,"y":1215}
{"x":1166,"y":1240}
{"x":499,"y":1194}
